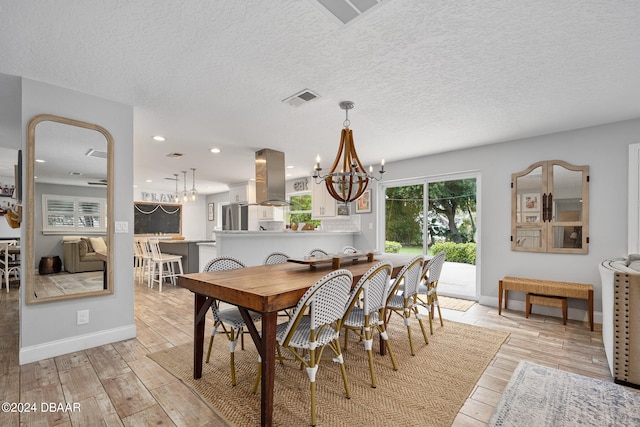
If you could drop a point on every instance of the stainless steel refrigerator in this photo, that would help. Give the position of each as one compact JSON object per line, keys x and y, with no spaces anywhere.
{"x":235,"y":216}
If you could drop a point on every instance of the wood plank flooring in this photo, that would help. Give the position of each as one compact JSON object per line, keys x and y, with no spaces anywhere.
{"x":117,"y":385}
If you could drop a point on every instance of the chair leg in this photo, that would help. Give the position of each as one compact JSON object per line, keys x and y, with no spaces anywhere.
{"x":258,"y":376}
{"x":233,"y":341}
{"x":407,"y":318}
{"x":368,"y":344}
{"x":385,"y":338}
{"x":424,"y":333}
{"x":213,"y":334}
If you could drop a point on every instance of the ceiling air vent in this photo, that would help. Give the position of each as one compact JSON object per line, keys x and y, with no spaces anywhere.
{"x":75,"y":173}
{"x":99,"y":182}
{"x":348,"y":10}
{"x":175,"y":155}
{"x":301,"y":98}
{"x":96,"y":153}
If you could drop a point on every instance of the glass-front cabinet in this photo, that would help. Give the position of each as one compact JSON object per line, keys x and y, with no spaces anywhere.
{"x":550,"y":208}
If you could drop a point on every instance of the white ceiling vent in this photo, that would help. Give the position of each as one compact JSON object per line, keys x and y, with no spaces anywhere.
{"x":346,"y":11}
{"x":301,"y":97}
{"x":96,"y":153}
{"x":175,"y":155}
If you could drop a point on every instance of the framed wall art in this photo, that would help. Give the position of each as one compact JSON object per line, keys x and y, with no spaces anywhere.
{"x":363,"y":204}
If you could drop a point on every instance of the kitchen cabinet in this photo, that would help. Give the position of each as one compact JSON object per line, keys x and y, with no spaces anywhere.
{"x":322,"y":204}
{"x":550,"y":208}
{"x":270,"y":213}
{"x":242,"y":193}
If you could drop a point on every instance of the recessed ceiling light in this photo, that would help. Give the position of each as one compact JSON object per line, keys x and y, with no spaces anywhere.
{"x":40,"y":161}
{"x":159,"y":138}
{"x":290,"y":167}
{"x":215,"y":150}
{"x":135,"y":186}
{"x":148,"y":180}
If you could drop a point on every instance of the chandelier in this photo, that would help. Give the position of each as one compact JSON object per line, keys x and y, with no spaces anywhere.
{"x":348,"y":179}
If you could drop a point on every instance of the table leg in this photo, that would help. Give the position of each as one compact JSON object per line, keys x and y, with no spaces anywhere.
{"x":500,"y":298}
{"x":201,"y":306}
{"x":269,"y":321}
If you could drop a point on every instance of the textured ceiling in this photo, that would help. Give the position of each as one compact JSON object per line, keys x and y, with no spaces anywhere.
{"x":426,"y":76}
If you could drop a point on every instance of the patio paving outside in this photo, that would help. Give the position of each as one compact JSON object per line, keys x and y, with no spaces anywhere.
{"x":458,"y":280}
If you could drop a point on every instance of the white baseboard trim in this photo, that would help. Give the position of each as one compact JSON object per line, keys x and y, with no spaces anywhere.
{"x":572,"y":313}
{"x":38,"y":352}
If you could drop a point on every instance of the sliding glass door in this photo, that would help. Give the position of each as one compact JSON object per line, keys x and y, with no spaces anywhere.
{"x":431,"y":215}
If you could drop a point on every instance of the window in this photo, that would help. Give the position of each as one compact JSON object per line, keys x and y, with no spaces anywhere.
{"x":300,"y":209}
{"x":67,"y":214}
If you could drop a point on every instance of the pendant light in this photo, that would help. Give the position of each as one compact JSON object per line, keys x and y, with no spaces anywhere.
{"x":185,"y":193}
{"x":194,"y":192}
{"x":176,"y":195}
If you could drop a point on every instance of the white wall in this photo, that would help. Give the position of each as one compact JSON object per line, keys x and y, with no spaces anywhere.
{"x":604,"y":148}
{"x":50,"y":329}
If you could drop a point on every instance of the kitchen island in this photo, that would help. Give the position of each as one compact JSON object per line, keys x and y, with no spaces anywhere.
{"x":188,"y":249}
{"x":252,"y":247}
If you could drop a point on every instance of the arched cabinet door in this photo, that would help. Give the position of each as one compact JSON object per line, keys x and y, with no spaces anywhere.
{"x":550,"y":208}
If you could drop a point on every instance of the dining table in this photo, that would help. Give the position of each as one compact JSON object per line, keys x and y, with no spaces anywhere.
{"x":266,"y":289}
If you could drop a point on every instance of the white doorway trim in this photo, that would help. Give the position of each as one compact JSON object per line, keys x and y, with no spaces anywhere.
{"x":633,"y":227}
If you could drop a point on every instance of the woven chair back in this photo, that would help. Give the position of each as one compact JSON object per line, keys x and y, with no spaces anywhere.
{"x":324,"y":302}
{"x":276,"y":258}
{"x":409,"y":276}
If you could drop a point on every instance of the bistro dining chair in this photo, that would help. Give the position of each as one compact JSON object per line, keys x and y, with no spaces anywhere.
{"x":427,"y":295}
{"x":315,"y":324}
{"x":365,"y":312}
{"x":229,"y":319}
{"x":275,"y":258}
{"x":402,"y":302}
{"x":349,"y":250}
{"x":8,"y":263}
{"x":318,"y":252}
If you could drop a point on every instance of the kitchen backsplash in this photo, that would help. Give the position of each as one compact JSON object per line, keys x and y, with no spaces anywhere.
{"x":346,"y":223}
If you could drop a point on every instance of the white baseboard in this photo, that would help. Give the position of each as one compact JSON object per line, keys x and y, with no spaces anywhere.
{"x":572,"y":313}
{"x":77,"y":343}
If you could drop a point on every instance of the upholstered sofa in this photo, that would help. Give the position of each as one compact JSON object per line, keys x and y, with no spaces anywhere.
{"x":621,"y":317}
{"x":80,"y":255}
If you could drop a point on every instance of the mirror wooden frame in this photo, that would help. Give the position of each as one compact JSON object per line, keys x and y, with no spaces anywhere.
{"x":29,"y":212}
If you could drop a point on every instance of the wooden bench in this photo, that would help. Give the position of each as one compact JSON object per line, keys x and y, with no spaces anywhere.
{"x":545,"y":287}
{"x":547,"y":301}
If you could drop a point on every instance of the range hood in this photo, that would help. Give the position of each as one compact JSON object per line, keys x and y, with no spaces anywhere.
{"x":270,"y":178}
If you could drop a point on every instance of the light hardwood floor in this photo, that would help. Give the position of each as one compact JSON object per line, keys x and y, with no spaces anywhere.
{"x":117,"y":384}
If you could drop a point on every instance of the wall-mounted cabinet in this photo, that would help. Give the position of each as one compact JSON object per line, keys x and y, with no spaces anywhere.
{"x":242,"y":193}
{"x":550,"y":208}
{"x":322,"y":204}
{"x":270,"y":213}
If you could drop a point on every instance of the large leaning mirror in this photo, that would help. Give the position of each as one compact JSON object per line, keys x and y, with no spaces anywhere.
{"x":69,"y":209}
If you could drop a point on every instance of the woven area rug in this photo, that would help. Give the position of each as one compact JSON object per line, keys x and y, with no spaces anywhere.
{"x":541,"y":396}
{"x":457,"y":304}
{"x":427,"y":390}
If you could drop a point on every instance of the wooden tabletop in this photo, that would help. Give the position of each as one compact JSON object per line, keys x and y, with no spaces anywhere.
{"x":271,"y":288}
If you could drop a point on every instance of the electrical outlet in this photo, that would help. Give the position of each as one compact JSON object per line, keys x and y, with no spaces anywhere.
{"x":122,"y":227}
{"x":83,"y":317}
